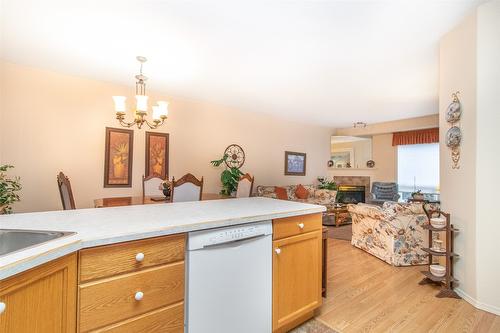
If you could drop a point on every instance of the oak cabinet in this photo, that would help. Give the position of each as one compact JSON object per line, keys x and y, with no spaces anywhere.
{"x":42,"y":299}
{"x":297,"y":267}
{"x":135,"y":286}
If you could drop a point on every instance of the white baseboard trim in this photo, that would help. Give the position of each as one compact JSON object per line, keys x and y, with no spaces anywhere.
{"x":475,"y":303}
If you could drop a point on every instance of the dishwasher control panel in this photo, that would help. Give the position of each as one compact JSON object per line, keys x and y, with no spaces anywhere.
{"x":235,"y":234}
{"x":200,"y":239}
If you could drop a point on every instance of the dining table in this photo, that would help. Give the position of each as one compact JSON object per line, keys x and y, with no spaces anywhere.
{"x":145,"y":200}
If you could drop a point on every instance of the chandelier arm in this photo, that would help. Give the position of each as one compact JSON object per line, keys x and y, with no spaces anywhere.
{"x":155,"y":124}
{"x":124,"y":123}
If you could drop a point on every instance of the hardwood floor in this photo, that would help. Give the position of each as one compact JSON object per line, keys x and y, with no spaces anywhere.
{"x":367,"y":295}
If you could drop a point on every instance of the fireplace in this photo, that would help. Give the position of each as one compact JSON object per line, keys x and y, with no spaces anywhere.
{"x":351,"y":194}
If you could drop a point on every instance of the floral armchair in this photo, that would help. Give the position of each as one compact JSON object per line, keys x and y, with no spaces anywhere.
{"x":393,"y":233}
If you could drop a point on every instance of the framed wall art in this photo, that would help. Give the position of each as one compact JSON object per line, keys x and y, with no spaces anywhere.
{"x":295,"y":164}
{"x":157,"y":155}
{"x":118,"y":157}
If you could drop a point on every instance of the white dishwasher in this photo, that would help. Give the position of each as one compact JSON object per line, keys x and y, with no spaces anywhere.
{"x":229,"y":280}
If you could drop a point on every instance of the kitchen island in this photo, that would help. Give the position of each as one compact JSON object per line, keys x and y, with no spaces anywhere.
{"x":119,"y":232}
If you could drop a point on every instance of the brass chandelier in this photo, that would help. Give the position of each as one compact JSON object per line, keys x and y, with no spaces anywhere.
{"x":160,"y":111}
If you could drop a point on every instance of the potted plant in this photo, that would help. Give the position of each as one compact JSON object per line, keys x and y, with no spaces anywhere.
{"x":229,"y":177}
{"x":165,"y":187}
{"x":418,"y":195}
{"x":325,"y":184}
{"x":8,"y":190}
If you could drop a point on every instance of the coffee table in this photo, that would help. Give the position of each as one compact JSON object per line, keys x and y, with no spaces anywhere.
{"x":340,"y":215}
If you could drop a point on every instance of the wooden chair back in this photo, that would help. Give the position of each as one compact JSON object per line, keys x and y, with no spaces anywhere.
{"x":67,"y":200}
{"x":245,"y":186}
{"x":187,"y":188}
{"x":151,"y":186}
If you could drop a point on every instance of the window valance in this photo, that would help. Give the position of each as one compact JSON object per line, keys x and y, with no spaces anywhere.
{"x":430,"y":135}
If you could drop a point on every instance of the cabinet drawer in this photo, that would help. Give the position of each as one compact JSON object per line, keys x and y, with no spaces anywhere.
{"x":108,"y":260}
{"x":111,"y":300}
{"x":169,"y":319}
{"x":296,"y":225}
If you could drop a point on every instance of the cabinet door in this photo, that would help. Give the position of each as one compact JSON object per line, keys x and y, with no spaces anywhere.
{"x":41,"y":300}
{"x":296,"y":277}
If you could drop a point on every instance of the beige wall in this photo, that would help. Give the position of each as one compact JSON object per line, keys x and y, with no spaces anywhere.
{"x":458,"y":73}
{"x":488,"y":154}
{"x":52,"y":122}
{"x":469,"y":64}
{"x":385,"y":157}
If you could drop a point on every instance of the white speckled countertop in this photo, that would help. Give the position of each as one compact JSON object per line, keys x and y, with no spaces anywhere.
{"x":100,"y":226}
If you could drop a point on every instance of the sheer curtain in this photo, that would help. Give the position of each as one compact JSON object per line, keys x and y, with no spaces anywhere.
{"x":418,"y":169}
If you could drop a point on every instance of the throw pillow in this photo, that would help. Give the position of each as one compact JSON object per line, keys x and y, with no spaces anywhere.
{"x":301,"y":192}
{"x":281,"y":193}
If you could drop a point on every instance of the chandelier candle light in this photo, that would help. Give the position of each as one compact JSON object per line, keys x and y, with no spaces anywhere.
{"x":160,"y":111}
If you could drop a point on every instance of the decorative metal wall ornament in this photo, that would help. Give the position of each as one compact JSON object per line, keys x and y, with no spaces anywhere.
{"x":454,"y":134}
{"x":236,"y":156}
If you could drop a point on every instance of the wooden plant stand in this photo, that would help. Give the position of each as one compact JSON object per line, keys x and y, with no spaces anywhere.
{"x":447,"y":280}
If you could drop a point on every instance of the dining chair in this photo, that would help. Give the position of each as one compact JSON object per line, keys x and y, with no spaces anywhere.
{"x":187,"y":188}
{"x":245,"y":186}
{"x":151,"y":186}
{"x":68,"y":202}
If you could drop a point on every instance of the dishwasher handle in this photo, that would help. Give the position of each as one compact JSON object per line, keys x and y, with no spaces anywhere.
{"x":234,"y":242}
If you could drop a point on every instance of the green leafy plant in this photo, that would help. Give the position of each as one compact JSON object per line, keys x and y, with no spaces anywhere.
{"x":8,"y":190}
{"x":325,"y":184}
{"x":417,"y":192}
{"x":229,"y":177}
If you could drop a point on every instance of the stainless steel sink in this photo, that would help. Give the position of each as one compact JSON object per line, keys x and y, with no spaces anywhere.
{"x":12,"y":240}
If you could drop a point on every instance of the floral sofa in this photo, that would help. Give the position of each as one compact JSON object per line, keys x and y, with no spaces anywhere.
{"x":393,"y":232}
{"x":315,"y":196}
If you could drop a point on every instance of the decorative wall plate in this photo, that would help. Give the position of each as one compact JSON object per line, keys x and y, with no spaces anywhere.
{"x":454,"y":112}
{"x":370,"y":164}
{"x":453,"y":137}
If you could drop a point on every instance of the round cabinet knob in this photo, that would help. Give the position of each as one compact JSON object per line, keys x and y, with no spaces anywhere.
{"x":139,"y":295}
{"x":139,"y":257}
{"x":2,"y":307}
{"x":278,"y":250}
{"x":301,"y":225}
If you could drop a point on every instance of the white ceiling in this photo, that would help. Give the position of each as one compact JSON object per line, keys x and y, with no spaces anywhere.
{"x":327,"y":62}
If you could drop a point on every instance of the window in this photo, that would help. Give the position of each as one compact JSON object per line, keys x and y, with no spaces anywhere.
{"x":418,"y":169}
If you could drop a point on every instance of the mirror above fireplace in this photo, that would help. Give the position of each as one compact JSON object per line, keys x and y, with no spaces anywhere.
{"x":350,"y":151}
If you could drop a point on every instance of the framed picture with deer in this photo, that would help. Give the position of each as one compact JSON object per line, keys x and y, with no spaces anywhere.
{"x":118,"y":157}
{"x":156,"y":155}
